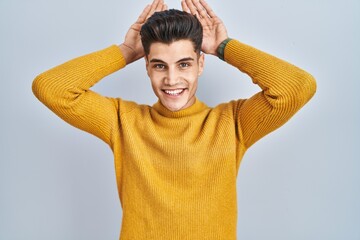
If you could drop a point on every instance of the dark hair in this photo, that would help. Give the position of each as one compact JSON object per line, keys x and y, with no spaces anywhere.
{"x":169,"y":26}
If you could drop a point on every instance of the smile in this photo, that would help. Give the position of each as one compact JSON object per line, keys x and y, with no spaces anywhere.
{"x":175,"y":92}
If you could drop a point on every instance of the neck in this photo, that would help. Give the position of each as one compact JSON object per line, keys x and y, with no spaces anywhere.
{"x":196,"y":107}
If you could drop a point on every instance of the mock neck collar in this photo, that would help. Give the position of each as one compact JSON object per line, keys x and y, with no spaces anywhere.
{"x":197,"y":107}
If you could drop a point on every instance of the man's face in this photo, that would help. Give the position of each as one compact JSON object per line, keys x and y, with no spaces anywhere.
{"x":174,"y":70}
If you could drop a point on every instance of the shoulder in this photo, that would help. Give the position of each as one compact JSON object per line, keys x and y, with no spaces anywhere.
{"x":229,"y":109}
{"x":130,"y":107}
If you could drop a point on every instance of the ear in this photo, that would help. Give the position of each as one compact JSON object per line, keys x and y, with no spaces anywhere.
{"x":201,"y":63}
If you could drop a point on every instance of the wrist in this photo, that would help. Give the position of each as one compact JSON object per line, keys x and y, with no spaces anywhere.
{"x":128,"y":53}
{"x":221,"y":48}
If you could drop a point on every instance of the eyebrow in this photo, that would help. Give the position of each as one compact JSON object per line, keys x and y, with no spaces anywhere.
{"x":154,"y":60}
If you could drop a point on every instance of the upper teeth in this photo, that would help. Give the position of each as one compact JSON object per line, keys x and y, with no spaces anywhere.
{"x":174,"y":92}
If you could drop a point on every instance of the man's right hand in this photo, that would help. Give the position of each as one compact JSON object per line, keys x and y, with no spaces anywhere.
{"x":132,"y":48}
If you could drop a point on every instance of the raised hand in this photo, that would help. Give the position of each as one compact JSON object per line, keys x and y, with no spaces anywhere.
{"x":214,"y":31}
{"x":132,"y":48}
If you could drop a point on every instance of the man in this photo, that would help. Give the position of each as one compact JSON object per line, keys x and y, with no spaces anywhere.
{"x":176,"y":161}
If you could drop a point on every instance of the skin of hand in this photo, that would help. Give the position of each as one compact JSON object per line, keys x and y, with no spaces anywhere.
{"x":214,"y":30}
{"x":132,"y":48}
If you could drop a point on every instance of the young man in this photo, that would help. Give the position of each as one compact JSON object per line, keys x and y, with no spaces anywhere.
{"x":176,"y":161}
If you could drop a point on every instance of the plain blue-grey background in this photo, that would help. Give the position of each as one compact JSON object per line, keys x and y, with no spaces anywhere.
{"x":300,"y":182}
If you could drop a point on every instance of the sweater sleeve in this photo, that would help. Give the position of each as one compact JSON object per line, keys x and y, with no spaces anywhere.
{"x":65,"y":91}
{"x":285,"y":89}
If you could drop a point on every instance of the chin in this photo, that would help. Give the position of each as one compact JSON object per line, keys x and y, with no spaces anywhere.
{"x":176,"y":102}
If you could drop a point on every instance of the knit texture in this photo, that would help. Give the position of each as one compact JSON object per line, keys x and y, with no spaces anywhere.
{"x":176,"y":171}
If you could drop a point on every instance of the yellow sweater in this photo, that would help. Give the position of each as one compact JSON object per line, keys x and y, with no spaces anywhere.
{"x":176,"y":171}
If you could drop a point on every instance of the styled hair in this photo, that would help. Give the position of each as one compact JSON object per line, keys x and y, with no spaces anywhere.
{"x":169,"y":26}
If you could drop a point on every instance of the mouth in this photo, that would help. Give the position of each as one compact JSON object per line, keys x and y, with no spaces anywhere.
{"x":174,"y":92}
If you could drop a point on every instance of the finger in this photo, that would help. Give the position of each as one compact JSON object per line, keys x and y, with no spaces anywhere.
{"x":154,"y":5}
{"x":184,"y":6}
{"x":165,"y":7}
{"x":201,"y":10}
{"x":159,"y":6}
{"x":208,"y":9}
{"x":144,"y":14}
{"x":194,"y":10}
{"x":192,"y":7}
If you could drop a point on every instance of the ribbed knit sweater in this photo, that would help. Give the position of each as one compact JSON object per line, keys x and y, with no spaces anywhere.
{"x":176,"y":171}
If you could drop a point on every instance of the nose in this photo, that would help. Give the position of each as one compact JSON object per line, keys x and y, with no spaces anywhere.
{"x":171,"y":77}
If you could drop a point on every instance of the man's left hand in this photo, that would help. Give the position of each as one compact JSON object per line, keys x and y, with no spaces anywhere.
{"x":214,"y":30}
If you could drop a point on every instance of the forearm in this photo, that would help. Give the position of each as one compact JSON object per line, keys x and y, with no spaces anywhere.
{"x":65,"y":91}
{"x":279,"y":80}
{"x":65,"y":82}
{"x":285,"y":89}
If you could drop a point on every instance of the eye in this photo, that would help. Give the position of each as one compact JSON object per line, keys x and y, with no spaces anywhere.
{"x":184,"y":65}
{"x":159,"y":66}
